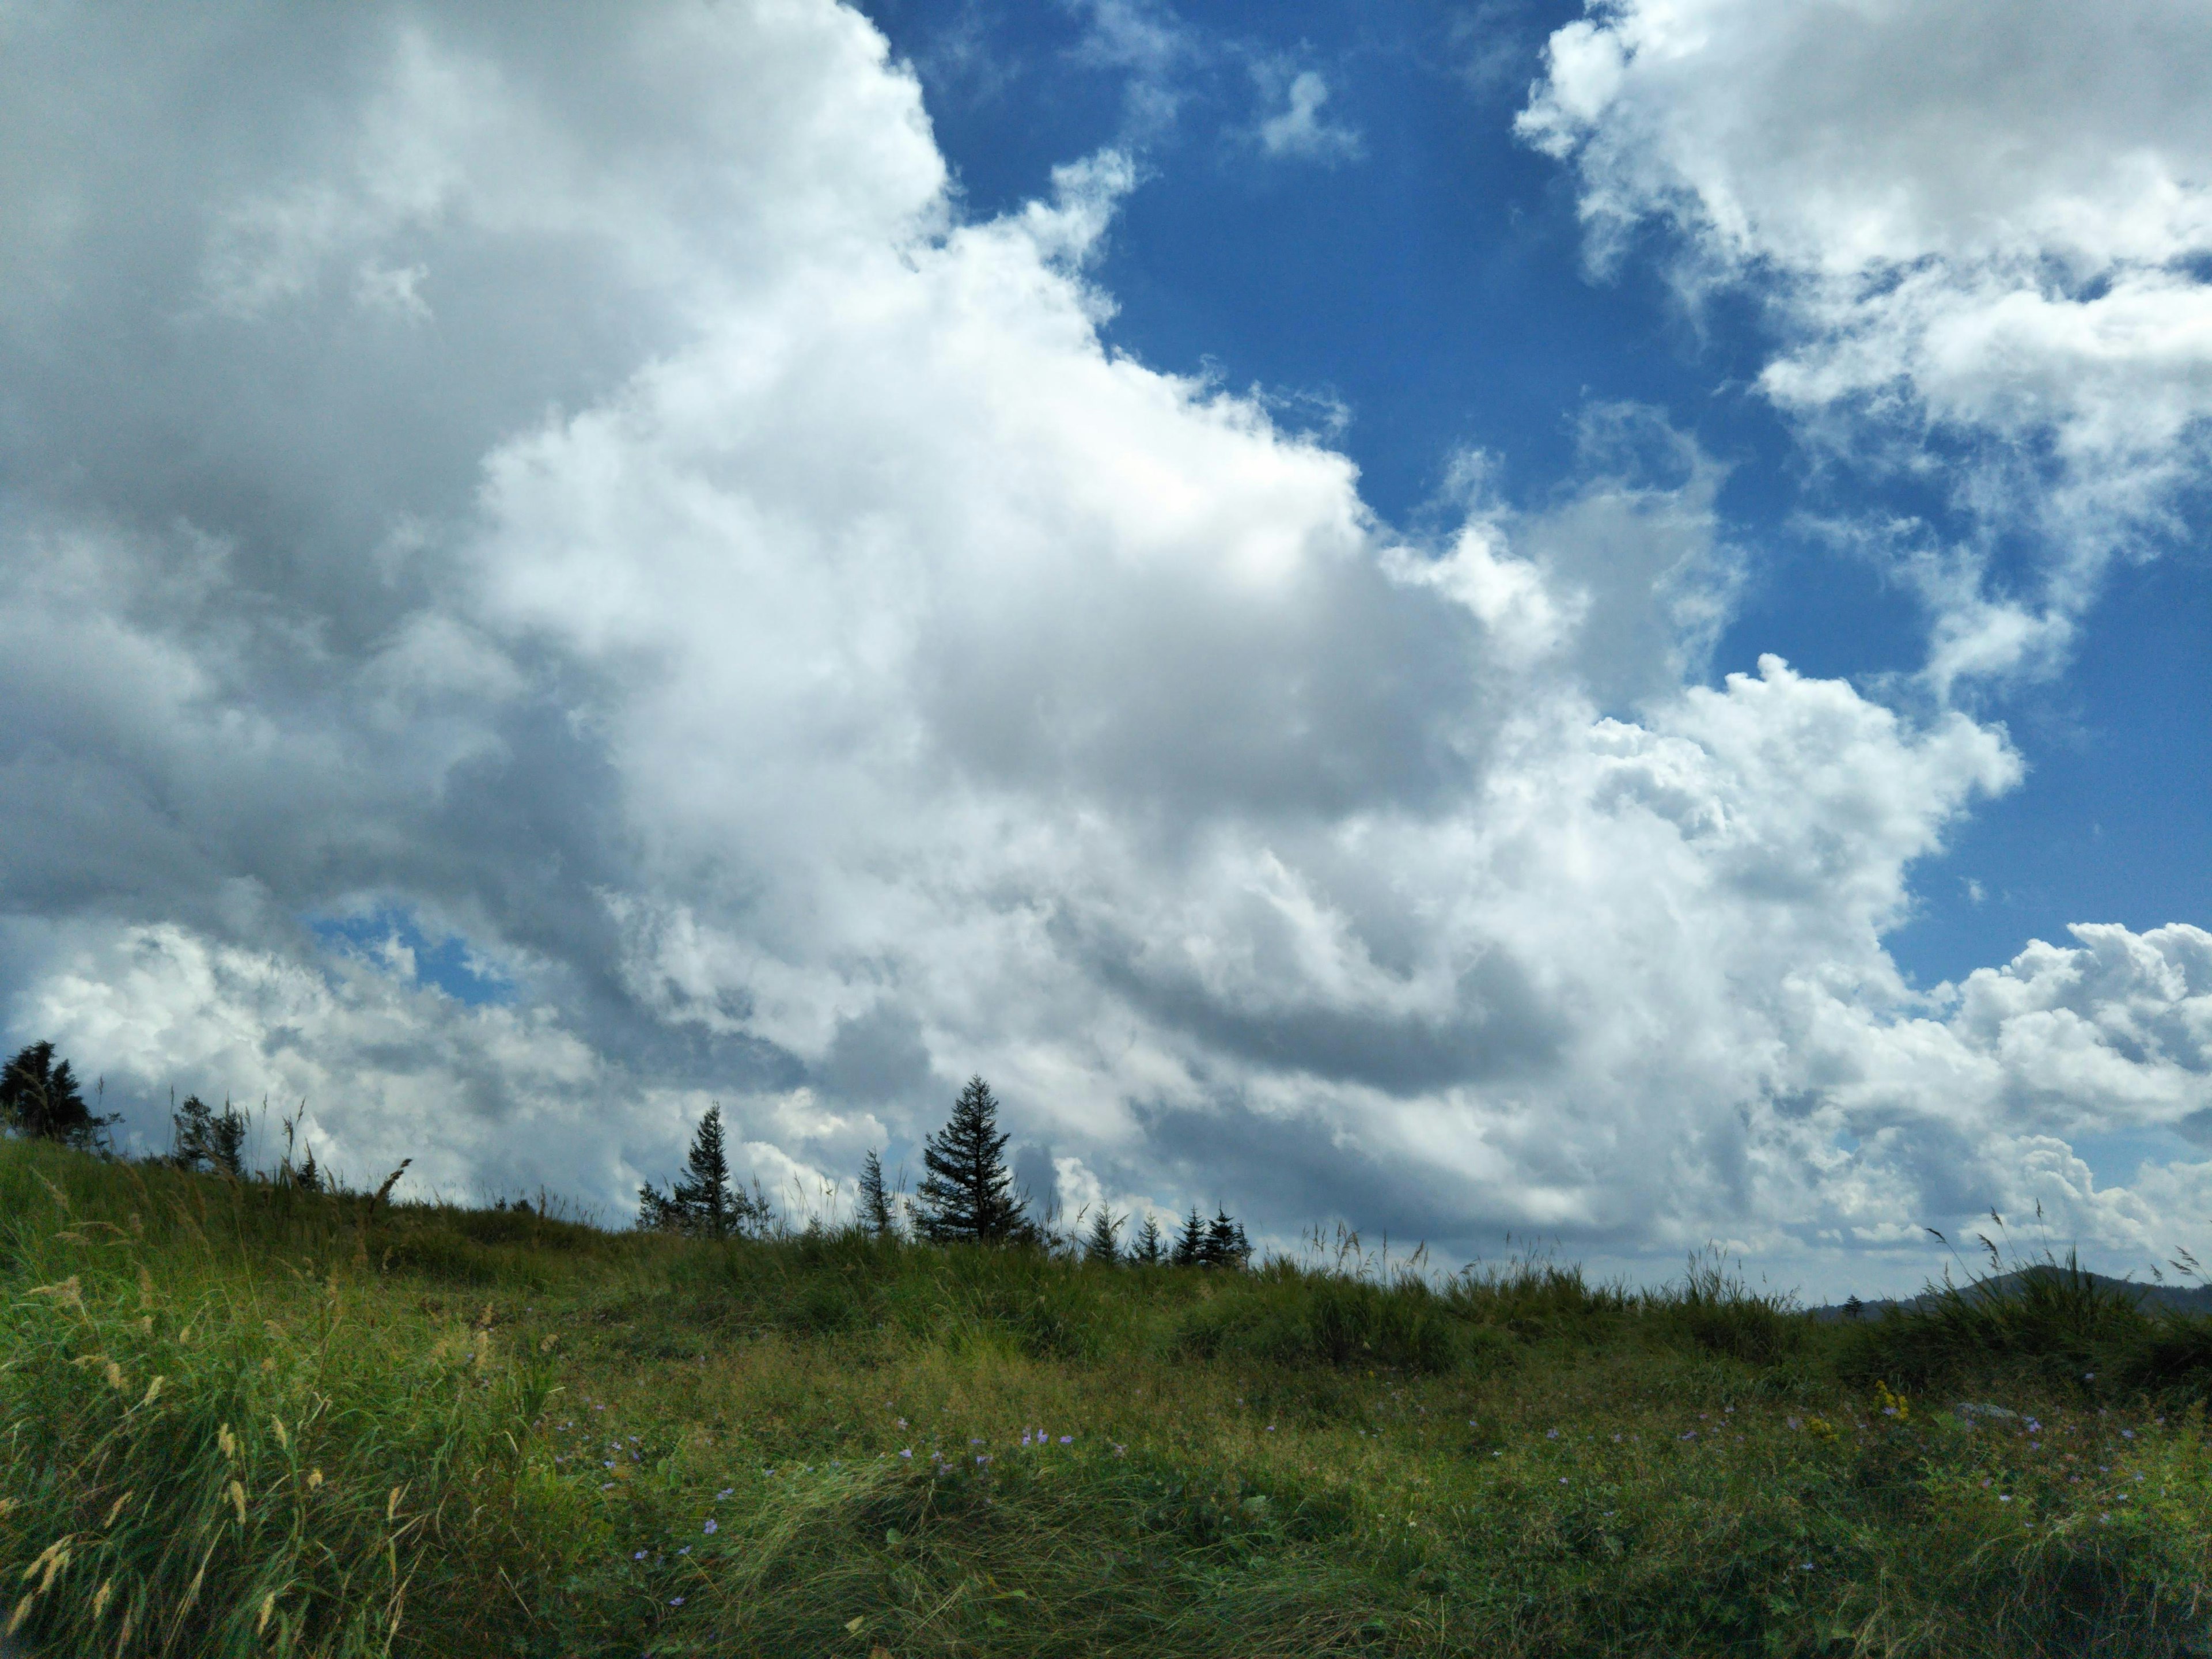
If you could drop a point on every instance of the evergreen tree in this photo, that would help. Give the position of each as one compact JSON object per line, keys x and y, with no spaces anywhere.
{"x":875,"y":1202}
{"x":203,"y":1140}
{"x":702,"y":1201}
{"x":1190,"y":1243}
{"x":967,"y":1194}
{"x":1103,"y":1243}
{"x":42,"y":1100}
{"x":1224,"y":1244}
{"x":1147,"y":1247}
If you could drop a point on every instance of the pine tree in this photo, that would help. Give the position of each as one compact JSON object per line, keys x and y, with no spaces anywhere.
{"x":702,"y":1201}
{"x":1190,"y":1243}
{"x":1103,"y":1243}
{"x":1146,"y":1247}
{"x":875,"y":1202}
{"x":967,"y":1194}
{"x":42,"y":1100}
{"x":1224,"y":1244}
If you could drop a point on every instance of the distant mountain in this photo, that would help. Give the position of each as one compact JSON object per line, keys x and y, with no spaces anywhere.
{"x":2175,"y":1298}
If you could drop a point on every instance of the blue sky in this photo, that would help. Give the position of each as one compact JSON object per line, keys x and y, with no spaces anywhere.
{"x":1436,"y":285}
{"x":1466,"y":618}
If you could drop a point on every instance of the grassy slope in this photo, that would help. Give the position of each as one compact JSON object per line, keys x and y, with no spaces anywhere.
{"x":457,"y":1433}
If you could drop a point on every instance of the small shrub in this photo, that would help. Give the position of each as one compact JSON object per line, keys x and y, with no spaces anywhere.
{"x":1288,"y":1318}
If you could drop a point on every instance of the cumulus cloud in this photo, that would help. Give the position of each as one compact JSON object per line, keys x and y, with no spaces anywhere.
{"x":1982,"y":236}
{"x":597,"y":497}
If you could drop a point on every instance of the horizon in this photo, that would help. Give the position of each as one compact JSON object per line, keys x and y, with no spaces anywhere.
{"x":1475,"y":621}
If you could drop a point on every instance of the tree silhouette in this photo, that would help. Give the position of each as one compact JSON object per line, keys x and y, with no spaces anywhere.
{"x":41,"y":1099}
{"x":204,"y":1140}
{"x":1224,"y":1244}
{"x":1103,"y":1243}
{"x":967,"y":1194}
{"x":1190,"y":1243}
{"x":875,"y":1202}
{"x":1147,"y":1247}
{"x":703,"y":1202}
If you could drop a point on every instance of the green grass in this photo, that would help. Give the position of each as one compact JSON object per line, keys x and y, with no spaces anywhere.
{"x":452,"y":1433}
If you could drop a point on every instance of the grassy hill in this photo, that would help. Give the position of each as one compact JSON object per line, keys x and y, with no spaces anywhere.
{"x":241,"y":1418}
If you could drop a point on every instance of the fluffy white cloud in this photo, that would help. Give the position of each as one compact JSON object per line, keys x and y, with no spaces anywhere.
{"x":1984,"y":228}
{"x":600,"y":496}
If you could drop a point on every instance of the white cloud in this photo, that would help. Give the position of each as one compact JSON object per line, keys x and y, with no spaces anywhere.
{"x":757,"y":610}
{"x":1989,"y":228}
{"x":1291,"y":122}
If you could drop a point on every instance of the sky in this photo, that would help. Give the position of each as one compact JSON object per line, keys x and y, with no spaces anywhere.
{"x":1505,"y":624}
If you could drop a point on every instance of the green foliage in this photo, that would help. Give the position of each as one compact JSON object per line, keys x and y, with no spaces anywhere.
{"x":1284,"y":1317}
{"x":2048,"y":1324}
{"x":537,"y":1438}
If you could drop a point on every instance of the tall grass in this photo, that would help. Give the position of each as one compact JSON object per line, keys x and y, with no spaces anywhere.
{"x":439,"y":1432}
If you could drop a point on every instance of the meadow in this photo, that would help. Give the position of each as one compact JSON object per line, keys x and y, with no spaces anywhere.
{"x":241,"y":1418}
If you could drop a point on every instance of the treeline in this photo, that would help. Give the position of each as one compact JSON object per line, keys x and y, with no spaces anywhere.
{"x":966,"y":1196}
{"x":41,"y":1098}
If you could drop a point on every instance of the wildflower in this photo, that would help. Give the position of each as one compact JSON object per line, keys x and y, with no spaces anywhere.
{"x":607,"y":1487}
{"x":713,"y":1526}
{"x":686,"y":1549}
{"x":902,"y":1422}
{"x":2005,"y":1497}
{"x":2127,"y":1434}
{"x":639,"y":1556}
{"x":906,"y":1453}
{"x":1554,"y":1434}
{"x":1069,"y":1439}
{"x":675,"y":1600}
{"x":724,"y":1492}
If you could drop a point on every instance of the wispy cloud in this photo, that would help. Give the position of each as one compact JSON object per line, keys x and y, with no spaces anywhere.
{"x":1291,"y":123}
